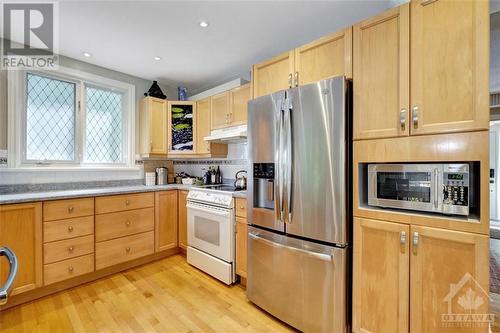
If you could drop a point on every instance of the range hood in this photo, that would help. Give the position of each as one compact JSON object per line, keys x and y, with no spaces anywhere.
{"x":228,"y":135}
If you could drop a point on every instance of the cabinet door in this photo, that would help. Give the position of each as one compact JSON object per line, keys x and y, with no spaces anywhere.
{"x":238,"y":101}
{"x":381,"y":75}
{"x":21,"y":231}
{"x":449,"y":275}
{"x":449,"y":66}
{"x":165,"y":220}
{"x":273,"y":75}
{"x":182,"y":219}
{"x":323,"y":58}
{"x":202,"y":125}
{"x":181,"y":127}
{"x":380,"y":276}
{"x":153,"y":126}
{"x":220,"y":110}
{"x":241,"y":246}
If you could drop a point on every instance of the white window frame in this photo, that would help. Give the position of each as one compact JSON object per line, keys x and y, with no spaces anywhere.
{"x":17,"y":119}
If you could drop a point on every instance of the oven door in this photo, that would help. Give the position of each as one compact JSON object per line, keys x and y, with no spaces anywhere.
{"x":211,"y":230}
{"x":405,"y":186}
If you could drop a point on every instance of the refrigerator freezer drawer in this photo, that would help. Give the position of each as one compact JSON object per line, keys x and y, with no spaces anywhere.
{"x":299,"y":282}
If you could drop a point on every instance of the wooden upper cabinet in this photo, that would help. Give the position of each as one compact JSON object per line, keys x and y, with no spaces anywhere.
{"x":273,"y":75}
{"x":21,"y":231}
{"x":165,"y":220}
{"x":381,"y":75}
{"x":153,"y":122}
{"x":380,"y":276}
{"x":449,"y":66}
{"x":220,"y":110}
{"x":181,"y":127}
{"x":449,"y":270}
{"x":323,"y":58}
{"x":203,"y":115}
{"x":182,"y":221}
{"x":238,"y":101}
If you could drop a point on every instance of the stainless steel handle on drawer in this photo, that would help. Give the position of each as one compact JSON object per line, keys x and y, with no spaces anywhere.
{"x":414,"y":114}
{"x":321,"y":256}
{"x":402,"y":238}
{"x":402,"y":119}
{"x":7,"y":287}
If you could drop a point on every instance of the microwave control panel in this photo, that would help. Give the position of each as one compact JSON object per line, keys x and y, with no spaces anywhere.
{"x":455,"y":190}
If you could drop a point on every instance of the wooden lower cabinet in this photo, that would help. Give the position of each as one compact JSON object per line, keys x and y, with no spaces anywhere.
{"x":417,"y":279}
{"x":380,"y":276}
{"x":241,"y":246}
{"x":21,"y":231}
{"x":182,"y":219}
{"x":165,"y":220}
{"x":68,"y":269}
{"x":449,"y":275}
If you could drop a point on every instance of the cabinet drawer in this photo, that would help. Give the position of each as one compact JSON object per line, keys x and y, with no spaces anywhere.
{"x":123,"y":249}
{"x":68,"y":269}
{"x":65,"y":209}
{"x":68,"y":248}
{"x":114,"y":225}
{"x":119,"y":203}
{"x":241,"y":207}
{"x":64,"y":229}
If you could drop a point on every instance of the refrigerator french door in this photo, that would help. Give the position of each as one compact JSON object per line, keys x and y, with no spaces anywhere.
{"x":6,"y":288}
{"x":298,"y":143}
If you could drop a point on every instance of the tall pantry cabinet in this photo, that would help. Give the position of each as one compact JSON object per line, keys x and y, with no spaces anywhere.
{"x":420,"y":80}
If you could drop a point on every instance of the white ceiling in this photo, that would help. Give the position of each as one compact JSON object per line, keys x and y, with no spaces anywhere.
{"x":126,"y":35}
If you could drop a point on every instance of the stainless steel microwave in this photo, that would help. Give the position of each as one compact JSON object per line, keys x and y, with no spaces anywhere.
{"x":437,"y":188}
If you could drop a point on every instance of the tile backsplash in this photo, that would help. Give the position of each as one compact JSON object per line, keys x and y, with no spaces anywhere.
{"x":237,"y":159}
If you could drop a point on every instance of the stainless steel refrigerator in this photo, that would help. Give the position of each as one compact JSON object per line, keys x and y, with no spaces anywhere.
{"x":298,"y":199}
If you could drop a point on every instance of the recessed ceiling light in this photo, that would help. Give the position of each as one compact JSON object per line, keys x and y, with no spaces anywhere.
{"x":203,"y":24}
{"x":157,"y":58}
{"x":87,"y":54}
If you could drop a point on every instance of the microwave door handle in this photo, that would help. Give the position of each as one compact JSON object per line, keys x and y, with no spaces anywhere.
{"x":436,"y":189}
{"x":12,"y":259}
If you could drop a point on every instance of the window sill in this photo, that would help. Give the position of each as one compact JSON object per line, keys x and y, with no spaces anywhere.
{"x":67,"y":168}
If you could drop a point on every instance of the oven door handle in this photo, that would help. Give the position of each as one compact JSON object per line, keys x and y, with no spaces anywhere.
{"x":208,"y":209}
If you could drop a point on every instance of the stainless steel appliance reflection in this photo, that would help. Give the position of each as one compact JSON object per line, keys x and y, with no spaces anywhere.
{"x":298,"y":190}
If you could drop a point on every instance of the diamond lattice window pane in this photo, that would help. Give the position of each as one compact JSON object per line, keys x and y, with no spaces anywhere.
{"x":104,"y":126}
{"x":50,"y":119}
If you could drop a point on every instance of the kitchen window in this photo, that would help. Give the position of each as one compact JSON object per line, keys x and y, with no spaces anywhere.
{"x":70,"y":119}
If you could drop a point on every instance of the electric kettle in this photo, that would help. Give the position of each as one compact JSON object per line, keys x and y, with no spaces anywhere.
{"x":241,"y":181}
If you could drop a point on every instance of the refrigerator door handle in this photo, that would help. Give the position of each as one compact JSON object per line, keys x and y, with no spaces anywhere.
{"x":317,"y":255}
{"x":5,"y":290}
{"x":279,"y":166}
{"x":289,"y":152}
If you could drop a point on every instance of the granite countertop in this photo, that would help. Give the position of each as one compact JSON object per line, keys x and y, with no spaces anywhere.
{"x":93,"y":192}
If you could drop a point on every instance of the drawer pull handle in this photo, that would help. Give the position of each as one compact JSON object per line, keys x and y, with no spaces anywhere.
{"x":127,"y":202}
{"x":71,"y":209}
{"x":70,"y":269}
{"x":127,"y":249}
{"x":70,"y":228}
{"x":71,"y":249}
{"x":127,"y":223}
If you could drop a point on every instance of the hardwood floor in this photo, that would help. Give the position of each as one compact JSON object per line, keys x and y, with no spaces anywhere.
{"x":164,"y":296}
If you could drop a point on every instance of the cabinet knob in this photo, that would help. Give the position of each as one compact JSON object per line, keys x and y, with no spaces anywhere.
{"x":127,"y":249}
{"x":71,"y":249}
{"x":127,"y":202}
{"x":70,"y":228}
{"x":70,"y":269}
{"x":242,"y":207}
{"x":127,"y":223}
{"x":71,"y":209}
